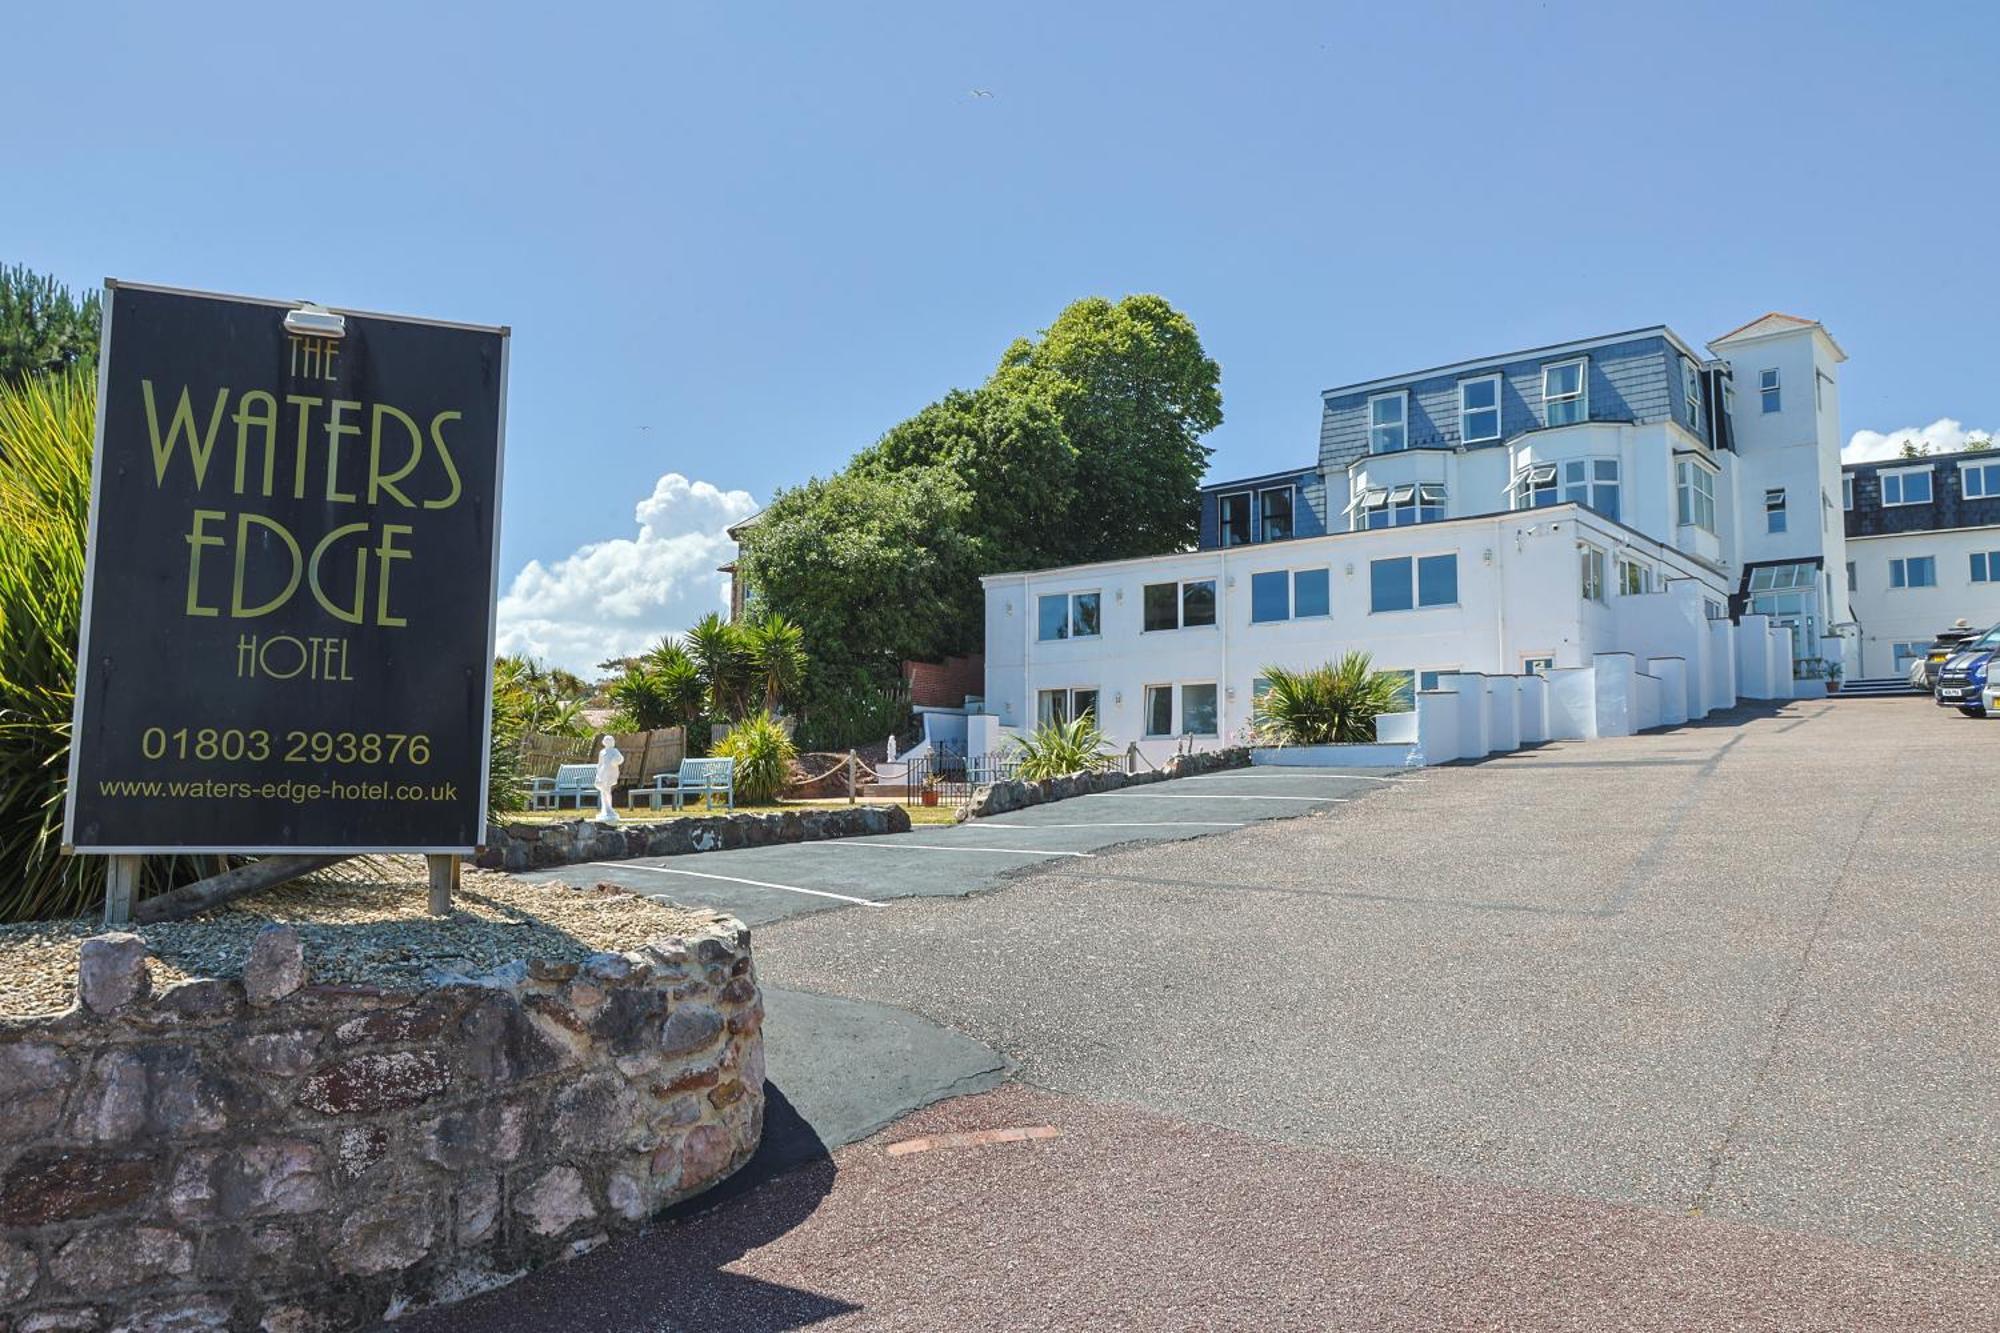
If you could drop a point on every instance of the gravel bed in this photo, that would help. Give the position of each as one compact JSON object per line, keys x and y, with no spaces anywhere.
{"x":371,"y":932}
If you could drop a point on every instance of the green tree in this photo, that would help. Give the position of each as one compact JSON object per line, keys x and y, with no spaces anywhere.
{"x":1136,"y":393}
{"x":776,"y":651}
{"x":43,"y":328}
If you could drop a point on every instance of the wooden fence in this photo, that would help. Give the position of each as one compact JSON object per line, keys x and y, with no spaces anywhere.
{"x":647,"y":753}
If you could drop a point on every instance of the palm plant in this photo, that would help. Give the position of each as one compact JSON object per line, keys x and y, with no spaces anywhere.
{"x":763,"y":753}
{"x":1057,"y":749}
{"x":720,"y":656}
{"x":777,"y":652}
{"x":678,"y":680}
{"x":1335,"y":703}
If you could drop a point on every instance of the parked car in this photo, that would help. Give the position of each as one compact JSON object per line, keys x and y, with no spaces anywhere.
{"x":1942,"y":647}
{"x":1962,"y":679}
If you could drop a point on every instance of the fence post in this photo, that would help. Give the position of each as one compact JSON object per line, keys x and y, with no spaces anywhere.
{"x":850,"y":777}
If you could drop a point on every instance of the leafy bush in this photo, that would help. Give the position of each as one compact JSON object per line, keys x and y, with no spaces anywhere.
{"x":853,"y":708}
{"x":44,"y":330}
{"x":763,"y":755}
{"x":1057,"y":749}
{"x":1335,"y":703}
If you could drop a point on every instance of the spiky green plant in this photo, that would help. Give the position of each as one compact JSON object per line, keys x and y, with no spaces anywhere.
{"x":1335,"y":703}
{"x":1058,"y":749}
{"x":776,"y":649}
{"x":723,"y":659}
{"x":763,"y":753}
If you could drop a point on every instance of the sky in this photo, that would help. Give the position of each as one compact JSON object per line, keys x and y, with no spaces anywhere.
{"x":737,"y":242}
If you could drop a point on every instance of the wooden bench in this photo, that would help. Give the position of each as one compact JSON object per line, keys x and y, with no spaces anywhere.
{"x":708,"y":777}
{"x":571,"y":780}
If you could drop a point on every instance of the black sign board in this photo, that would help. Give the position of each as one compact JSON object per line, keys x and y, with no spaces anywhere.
{"x":288,"y":606}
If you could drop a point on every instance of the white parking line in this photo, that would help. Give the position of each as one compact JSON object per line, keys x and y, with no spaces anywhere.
{"x":1206,"y":796}
{"x":934,"y":847}
{"x":732,"y":879}
{"x":1325,"y":777}
{"x":1157,"y":823}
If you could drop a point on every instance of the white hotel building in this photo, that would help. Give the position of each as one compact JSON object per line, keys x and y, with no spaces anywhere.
{"x":1620,"y":523}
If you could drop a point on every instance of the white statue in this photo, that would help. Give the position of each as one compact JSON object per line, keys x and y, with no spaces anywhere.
{"x":609,"y":759}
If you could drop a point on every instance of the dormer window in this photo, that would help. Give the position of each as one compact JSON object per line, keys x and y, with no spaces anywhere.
{"x":1479,"y":409}
{"x":1691,"y":391}
{"x":1389,"y":422}
{"x":1232,"y":513}
{"x":1565,"y":400}
{"x":1906,"y":486}
{"x":1274,"y":514}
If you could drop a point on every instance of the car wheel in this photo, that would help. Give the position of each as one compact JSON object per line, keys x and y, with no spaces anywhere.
{"x":1972,"y":712}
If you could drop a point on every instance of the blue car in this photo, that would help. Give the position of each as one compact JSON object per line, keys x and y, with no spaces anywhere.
{"x":1961,"y":681}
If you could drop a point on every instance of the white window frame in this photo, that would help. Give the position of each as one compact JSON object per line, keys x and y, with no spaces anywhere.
{"x":1465,"y":436}
{"x":1691,"y":391}
{"x":1433,"y":495}
{"x":1068,"y":693}
{"x":1288,"y":488}
{"x":1683,"y":472}
{"x":1401,"y":397}
{"x":1777,"y":518}
{"x":1899,"y":572}
{"x":1984,"y":566}
{"x":1645,"y":579}
{"x":1581,"y":397}
{"x":1416,"y":584}
{"x":1975,"y":468}
{"x":1592,"y":571}
{"x":1146,"y":704}
{"x":1532,"y":477}
{"x":1528,"y":660}
{"x":1847,"y":493}
{"x":1180,"y":706}
{"x":1069,"y":611}
{"x":1930,"y":484}
{"x":1770,"y":391}
{"x":1180,"y":604}
{"x":1249,"y":519}
{"x":1291,"y":597}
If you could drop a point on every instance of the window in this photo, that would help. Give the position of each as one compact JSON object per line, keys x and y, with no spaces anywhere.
{"x":1058,"y":706}
{"x":1232,"y":517}
{"x":1311,"y":595}
{"x":1535,"y":486}
{"x":1774,"y":509}
{"x":1374,"y":506}
{"x":1430,"y":503}
{"x":1907,"y":486}
{"x":1634,"y":578}
{"x":1564,"y":400}
{"x":1850,"y":576}
{"x":1691,"y":391}
{"x":1986,"y":566}
{"x":1979,"y":481}
{"x":1715,"y":610}
{"x":1479,"y":409}
{"x":1767,"y":388}
{"x":1847,"y":491}
{"x":1593,"y":574}
{"x":1907,"y":653}
{"x":1159,"y":710}
{"x":1274,"y":514}
{"x":1406,"y":684}
{"x":1916,"y":571}
{"x":1270,"y":596}
{"x":1428,"y":680}
{"x":1068,"y":616}
{"x":1694,"y":490}
{"x":1388,"y":422}
{"x":1198,"y":710}
{"x":1179,"y":605}
{"x":1795,"y":574}
{"x":1537,"y":666}
{"x":1593,"y":483}
{"x":1403,"y":583}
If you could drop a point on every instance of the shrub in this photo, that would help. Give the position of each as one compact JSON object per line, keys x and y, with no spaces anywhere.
{"x":853,"y":709}
{"x":1057,"y":749}
{"x":763,"y":755}
{"x":1335,"y":703}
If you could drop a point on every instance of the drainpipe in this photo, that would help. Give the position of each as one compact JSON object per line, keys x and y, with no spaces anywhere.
{"x":1222,"y":623}
{"x":1499,"y":600}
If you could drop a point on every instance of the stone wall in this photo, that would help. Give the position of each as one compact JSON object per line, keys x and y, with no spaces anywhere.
{"x":262,"y":1154}
{"x":531,"y":846}
{"x":1001,"y":797}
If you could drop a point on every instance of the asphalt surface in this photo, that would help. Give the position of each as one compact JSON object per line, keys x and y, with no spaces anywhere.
{"x":1688,"y":1030}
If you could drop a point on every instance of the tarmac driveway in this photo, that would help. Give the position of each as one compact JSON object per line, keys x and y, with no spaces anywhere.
{"x":1684,"y":1031}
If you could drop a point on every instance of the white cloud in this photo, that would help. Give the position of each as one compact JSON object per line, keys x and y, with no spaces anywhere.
{"x":616,"y":597}
{"x":1943,"y":436}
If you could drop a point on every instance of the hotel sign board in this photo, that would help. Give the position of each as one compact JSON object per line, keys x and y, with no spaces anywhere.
{"x":287,"y":639}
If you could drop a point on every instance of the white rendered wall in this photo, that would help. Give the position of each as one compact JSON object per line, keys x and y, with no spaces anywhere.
{"x":1907,"y":615}
{"x":1572,"y":704}
{"x":1534,"y":709}
{"x":1671,"y":672}
{"x":1617,"y":705}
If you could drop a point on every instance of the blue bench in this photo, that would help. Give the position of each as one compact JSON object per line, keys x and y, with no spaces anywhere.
{"x":708,"y":778}
{"x":578,"y":781}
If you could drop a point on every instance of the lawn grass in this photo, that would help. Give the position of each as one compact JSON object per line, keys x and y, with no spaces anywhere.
{"x":919,"y":814}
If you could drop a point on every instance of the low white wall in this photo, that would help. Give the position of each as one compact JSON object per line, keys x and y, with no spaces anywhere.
{"x":1572,"y":704}
{"x":1645,"y":701}
{"x":1503,"y":715}
{"x":1719,"y":688}
{"x":1533,"y":712}
{"x":1438,"y":726}
{"x":1396,"y":728}
{"x":1673,"y":677}
{"x":1470,"y":686}
{"x":1753,"y":660}
{"x":1616,"y":711}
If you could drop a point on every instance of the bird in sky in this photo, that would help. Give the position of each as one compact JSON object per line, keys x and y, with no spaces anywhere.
{"x":981,"y":92}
